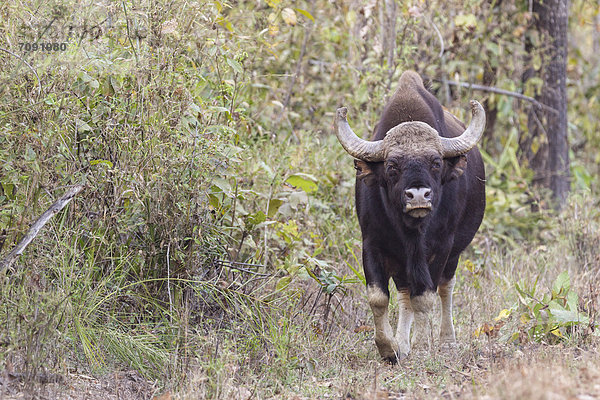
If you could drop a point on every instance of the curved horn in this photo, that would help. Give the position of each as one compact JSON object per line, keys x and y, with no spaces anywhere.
{"x":355,"y":146}
{"x":452,"y":147}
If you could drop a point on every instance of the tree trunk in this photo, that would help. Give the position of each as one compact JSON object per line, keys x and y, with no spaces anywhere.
{"x":551,"y":162}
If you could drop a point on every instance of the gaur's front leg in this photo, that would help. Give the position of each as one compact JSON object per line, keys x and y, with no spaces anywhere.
{"x":384,"y":337}
{"x":378,"y":296}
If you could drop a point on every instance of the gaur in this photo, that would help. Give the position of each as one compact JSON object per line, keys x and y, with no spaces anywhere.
{"x":420,"y":199}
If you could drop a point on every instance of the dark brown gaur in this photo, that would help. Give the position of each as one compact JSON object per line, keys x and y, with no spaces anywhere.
{"x":420,"y":199}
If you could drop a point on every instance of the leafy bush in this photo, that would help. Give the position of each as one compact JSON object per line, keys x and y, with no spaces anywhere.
{"x":538,"y":316}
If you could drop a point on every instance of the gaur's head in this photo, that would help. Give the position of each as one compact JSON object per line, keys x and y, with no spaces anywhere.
{"x":413,"y":161}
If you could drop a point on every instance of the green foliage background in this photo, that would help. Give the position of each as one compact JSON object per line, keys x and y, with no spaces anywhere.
{"x":218,"y":204}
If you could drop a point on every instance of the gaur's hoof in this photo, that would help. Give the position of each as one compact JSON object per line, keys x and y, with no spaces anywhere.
{"x":396,"y":358}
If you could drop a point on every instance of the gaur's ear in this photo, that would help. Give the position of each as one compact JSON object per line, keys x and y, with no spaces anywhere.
{"x":454,"y":167}
{"x":365,"y":171}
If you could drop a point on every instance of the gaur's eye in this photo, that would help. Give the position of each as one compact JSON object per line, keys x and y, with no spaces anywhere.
{"x":436,"y":164}
{"x":393,"y":170}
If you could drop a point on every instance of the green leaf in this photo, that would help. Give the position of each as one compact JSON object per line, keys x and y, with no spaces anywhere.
{"x":569,"y":316}
{"x":105,"y":162}
{"x":466,"y":21}
{"x":306,"y":182}
{"x":256,"y":218}
{"x":572,"y":301}
{"x":9,"y":190}
{"x":562,"y":282}
{"x":30,"y":154}
{"x":274,"y":205}
{"x":82,"y":126}
{"x":331,"y":287}
{"x":214,"y":201}
{"x":283,"y":283}
{"x":225,"y":23}
{"x":235,"y":65}
{"x":223,"y":185}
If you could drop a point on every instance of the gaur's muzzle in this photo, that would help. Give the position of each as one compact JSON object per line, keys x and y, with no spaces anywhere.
{"x":418,"y":202}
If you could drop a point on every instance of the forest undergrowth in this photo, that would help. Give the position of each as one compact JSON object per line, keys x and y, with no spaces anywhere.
{"x":214,"y":251}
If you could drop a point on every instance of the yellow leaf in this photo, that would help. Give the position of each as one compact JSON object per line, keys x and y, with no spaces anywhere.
{"x":556,"y":332}
{"x":273,"y":30}
{"x":503,"y":314}
{"x":351,"y":18}
{"x":289,"y":16}
{"x":469,"y":266}
{"x":524,"y":318}
{"x":519,"y":31}
{"x":306,"y":14}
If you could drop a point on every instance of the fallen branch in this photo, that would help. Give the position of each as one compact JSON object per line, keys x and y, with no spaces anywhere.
{"x":492,"y":89}
{"x":58,"y":205}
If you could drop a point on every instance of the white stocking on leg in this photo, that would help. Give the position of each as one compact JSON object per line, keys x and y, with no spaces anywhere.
{"x":384,"y":338}
{"x":405,"y":320}
{"x":447,"y":327}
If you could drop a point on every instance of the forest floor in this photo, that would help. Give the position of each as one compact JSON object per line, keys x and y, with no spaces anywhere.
{"x":469,"y":371}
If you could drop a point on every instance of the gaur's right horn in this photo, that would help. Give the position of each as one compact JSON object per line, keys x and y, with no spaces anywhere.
{"x":355,"y":146}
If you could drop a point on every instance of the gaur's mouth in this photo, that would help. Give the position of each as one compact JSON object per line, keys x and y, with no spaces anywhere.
{"x":418,"y":211}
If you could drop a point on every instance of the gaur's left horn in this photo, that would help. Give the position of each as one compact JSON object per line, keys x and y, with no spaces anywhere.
{"x":355,"y":146}
{"x":453,"y":147}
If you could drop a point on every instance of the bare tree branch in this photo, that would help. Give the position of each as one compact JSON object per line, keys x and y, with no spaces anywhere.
{"x":58,"y":205}
{"x":439,"y":35}
{"x":492,"y":89}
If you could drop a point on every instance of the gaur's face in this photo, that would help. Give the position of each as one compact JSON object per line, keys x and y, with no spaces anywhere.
{"x":413,"y":171}
{"x":414,"y":182}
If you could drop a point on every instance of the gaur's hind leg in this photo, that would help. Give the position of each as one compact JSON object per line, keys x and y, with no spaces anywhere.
{"x":447,"y":327}
{"x":423,"y":306}
{"x":445,"y":289}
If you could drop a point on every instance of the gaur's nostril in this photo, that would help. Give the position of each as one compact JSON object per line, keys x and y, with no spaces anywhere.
{"x":418,"y":195}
